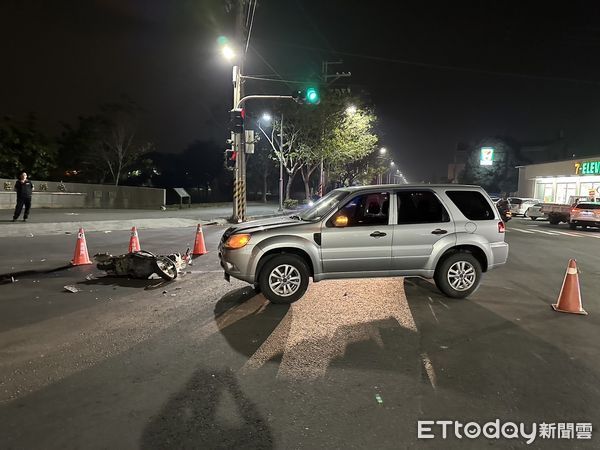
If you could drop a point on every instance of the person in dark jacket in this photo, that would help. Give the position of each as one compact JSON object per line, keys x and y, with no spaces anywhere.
{"x":24,"y":189}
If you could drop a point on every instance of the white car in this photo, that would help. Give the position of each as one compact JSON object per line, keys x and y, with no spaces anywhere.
{"x":519,"y":206}
{"x":534,"y":212}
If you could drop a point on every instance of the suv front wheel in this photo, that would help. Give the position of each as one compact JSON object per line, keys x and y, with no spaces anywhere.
{"x":458,"y":275}
{"x":284,"y":278}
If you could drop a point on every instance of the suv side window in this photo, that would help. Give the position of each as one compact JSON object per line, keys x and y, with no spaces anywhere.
{"x":472,"y":204}
{"x":420,"y":207}
{"x":366,"y":210}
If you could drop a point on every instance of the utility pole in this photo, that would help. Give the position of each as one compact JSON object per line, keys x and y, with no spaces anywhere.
{"x":325,"y":77}
{"x":239,"y":184}
{"x":281,"y":164}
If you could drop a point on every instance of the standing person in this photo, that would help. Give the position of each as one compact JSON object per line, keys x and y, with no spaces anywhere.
{"x":24,"y":189}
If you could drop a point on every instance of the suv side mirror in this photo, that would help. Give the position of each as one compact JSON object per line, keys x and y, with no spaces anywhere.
{"x":340,"y":221}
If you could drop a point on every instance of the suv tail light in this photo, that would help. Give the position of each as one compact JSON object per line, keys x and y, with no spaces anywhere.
{"x":501,"y":227}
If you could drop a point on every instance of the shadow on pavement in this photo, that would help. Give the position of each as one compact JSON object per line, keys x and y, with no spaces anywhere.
{"x":246,"y":319}
{"x":109,"y":280}
{"x":6,"y":277}
{"x":486,"y":366}
{"x":211,"y":412}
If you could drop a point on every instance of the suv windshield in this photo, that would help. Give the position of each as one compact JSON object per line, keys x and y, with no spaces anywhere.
{"x":324,"y":205}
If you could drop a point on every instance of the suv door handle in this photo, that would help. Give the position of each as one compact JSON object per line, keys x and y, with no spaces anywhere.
{"x":439,"y":231}
{"x":377,"y":234}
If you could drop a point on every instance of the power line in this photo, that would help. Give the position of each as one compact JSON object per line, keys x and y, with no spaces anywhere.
{"x":440,"y":66}
{"x":251,"y":23}
{"x":267,"y":63}
{"x":251,"y":77}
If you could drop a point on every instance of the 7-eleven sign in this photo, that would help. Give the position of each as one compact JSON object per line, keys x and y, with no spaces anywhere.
{"x":486,"y":157}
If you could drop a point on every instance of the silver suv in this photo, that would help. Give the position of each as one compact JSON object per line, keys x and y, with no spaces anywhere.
{"x":450,"y":233}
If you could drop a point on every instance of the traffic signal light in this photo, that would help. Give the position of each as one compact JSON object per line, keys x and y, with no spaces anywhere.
{"x":230,"y":158}
{"x":310,"y":96}
{"x":236,"y":121}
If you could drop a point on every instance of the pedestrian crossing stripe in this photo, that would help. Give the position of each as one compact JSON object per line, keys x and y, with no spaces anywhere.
{"x":554,"y":233}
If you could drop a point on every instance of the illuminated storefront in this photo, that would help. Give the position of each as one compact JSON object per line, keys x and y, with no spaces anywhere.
{"x":555,"y":182}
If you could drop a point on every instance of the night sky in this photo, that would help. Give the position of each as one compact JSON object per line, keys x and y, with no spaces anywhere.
{"x":437,"y":73}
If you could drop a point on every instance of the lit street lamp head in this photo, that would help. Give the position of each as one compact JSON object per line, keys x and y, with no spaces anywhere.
{"x":392,"y":164}
{"x":351,"y":109}
{"x":266,"y":117}
{"x":382,"y":150}
{"x":227,"y":52}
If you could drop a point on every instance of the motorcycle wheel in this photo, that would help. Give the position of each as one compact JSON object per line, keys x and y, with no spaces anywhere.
{"x":165,"y":268}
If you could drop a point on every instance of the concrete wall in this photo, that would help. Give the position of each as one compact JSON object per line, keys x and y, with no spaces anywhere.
{"x":79,"y":195}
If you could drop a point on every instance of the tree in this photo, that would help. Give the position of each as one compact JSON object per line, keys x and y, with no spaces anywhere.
{"x":259,"y":167}
{"x":24,"y":147}
{"x":283,"y":142}
{"x":103,"y":145}
{"x":77,"y":150}
{"x":119,"y":146}
{"x":349,"y":144}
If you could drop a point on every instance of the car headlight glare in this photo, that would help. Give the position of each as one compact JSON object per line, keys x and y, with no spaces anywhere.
{"x":236,"y":241}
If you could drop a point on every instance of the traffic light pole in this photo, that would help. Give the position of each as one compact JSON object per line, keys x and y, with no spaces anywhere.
{"x":239,"y":186}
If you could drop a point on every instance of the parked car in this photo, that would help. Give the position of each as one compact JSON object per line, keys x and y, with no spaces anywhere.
{"x":534,"y":212}
{"x":450,"y":233}
{"x":585,"y":214}
{"x":561,"y":212}
{"x":519,"y":206}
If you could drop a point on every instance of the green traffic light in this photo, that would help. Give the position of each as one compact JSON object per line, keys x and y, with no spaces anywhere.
{"x":312,"y":96}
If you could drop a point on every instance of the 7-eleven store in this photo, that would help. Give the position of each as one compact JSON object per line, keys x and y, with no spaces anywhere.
{"x":555,"y":182}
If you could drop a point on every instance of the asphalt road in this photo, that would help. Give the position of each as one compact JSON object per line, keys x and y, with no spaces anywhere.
{"x":201,"y":363}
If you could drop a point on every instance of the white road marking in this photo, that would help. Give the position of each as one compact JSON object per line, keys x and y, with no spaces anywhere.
{"x":587,"y":235}
{"x":551,"y":233}
{"x":445,"y":306}
{"x":568,"y":234}
{"x":429,"y":370}
{"x":523,"y":231}
{"x":433,"y":312}
{"x":430,"y":299}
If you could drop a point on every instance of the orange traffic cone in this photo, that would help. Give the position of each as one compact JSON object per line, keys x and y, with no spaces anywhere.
{"x":569,"y":299}
{"x":134,"y":241}
{"x":199,"y":247}
{"x":81,"y":256}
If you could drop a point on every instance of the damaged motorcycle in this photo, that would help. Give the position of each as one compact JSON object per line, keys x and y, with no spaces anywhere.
{"x":142,"y":264}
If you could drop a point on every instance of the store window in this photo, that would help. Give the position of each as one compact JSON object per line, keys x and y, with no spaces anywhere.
{"x":564,"y":191}
{"x":545,"y":192}
{"x":585,"y":188}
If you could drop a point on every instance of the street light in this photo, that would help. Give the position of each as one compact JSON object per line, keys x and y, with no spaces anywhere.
{"x":382,"y":150}
{"x":266,"y":117}
{"x":351,"y":109}
{"x":392,"y":164}
{"x":228,"y":52}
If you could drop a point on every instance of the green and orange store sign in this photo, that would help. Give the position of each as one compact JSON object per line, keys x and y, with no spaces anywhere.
{"x":587,"y":168}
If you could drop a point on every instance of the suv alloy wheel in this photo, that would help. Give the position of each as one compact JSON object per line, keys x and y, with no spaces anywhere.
{"x":458,"y":275}
{"x":284,"y":278}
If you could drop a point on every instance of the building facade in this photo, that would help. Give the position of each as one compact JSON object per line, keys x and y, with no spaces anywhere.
{"x":555,"y":182}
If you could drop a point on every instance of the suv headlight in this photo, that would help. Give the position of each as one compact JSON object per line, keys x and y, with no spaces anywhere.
{"x":236,"y":241}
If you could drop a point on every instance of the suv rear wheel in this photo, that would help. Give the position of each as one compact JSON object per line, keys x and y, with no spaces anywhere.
{"x":458,"y":275}
{"x":284,"y":278}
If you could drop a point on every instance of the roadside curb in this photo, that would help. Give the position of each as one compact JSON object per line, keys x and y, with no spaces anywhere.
{"x":32,"y":229}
